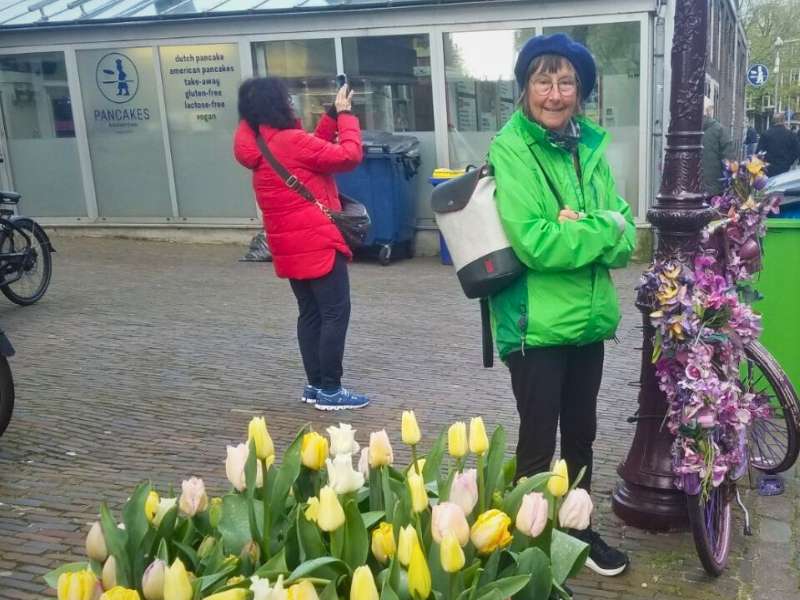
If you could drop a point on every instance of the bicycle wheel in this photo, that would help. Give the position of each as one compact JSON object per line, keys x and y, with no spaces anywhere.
{"x":710,"y":521}
{"x":773,"y":440}
{"x":6,"y":394}
{"x":36,"y":266}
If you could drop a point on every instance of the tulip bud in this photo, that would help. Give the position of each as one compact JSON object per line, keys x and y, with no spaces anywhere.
{"x":193,"y":497}
{"x":419,"y":574}
{"x":302,"y":591}
{"x":457,"y":443}
{"x":120,"y":593}
{"x":406,"y":541}
{"x":449,"y":518}
{"x":206,"y":546}
{"x":558,"y":484}
{"x":109,"y":575}
{"x":478,"y":442}
{"x":177,"y":585}
{"x":77,"y":585}
{"x":313,"y":451}
{"x":153,"y":580}
{"x":151,"y":506}
{"x":215,"y":512}
{"x":251,"y":551}
{"x":312,"y":511}
{"x":419,"y":496}
{"x":451,"y":554}
{"x":164,"y":506}
{"x":383,"y":544}
{"x":234,"y":594}
{"x":343,"y":439}
{"x":234,"y":467}
{"x":464,"y":490}
{"x":96,"y":543}
{"x":363,"y":463}
{"x":257,"y":431}
{"x":532,"y":515}
{"x":490,"y":531}
{"x":576,"y":511}
{"x":341,"y":475}
{"x":410,"y":429}
{"x":331,"y":514}
{"x":380,"y":449}
{"x":363,"y":586}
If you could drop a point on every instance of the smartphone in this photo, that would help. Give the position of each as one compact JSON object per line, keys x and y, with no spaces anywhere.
{"x":341,"y":80}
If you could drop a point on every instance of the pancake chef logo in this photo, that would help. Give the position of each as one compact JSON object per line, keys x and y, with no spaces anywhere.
{"x":117,"y":78}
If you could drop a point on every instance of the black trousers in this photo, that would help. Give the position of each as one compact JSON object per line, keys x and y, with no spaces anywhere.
{"x":324,"y":305}
{"x":552,"y":384}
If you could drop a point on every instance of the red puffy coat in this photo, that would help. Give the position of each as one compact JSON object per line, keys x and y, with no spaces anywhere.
{"x":302,"y":240}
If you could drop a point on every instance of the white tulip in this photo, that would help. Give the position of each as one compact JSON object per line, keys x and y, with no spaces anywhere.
{"x":343,"y":440}
{"x":341,"y":475}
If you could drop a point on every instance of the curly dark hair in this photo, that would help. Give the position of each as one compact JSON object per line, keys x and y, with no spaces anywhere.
{"x":265,"y":101}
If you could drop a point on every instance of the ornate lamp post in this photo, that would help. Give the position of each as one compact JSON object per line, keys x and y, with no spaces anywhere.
{"x":646,"y":497}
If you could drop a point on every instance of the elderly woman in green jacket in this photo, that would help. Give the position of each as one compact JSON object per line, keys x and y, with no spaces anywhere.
{"x":559,"y":207}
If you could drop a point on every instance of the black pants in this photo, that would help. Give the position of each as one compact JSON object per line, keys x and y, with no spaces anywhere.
{"x":324,"y":305}
{"x":552,"y":383}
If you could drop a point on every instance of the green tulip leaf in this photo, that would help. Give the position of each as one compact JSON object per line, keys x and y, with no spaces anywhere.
{"x":329,"y":593}
{"x":494,"y":463}
{"x":274,"y":566}
{"x":206,"y":581}
{"x":503,"y":588}
{"x":389,"y":498}
{"x":251,"y":470}
{"x":355,"y":539}
{"x":535,"y":562}
{"x":567,"y":556}
{"x":375,"y":490}
{"x":51,"y":577}
{"x":387,"y":593}
{"x":287,"y":474}
{"x":490,"y":568}
{"x":235,"y":522}
{"x":509,"y":470}
{"x":433,"y":459}
{"x":116,"y":542}
{"x":309,"y":538}
{"x":372,"y":517}
{"x":439,"y":577}
{"x":317,"y":564}
{"x":135,"y":518}
{"x":513,"y":499}
{"x":189,"y":556}
{"x":163,"y":551}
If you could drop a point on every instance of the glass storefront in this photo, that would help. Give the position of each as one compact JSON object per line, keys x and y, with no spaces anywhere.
{"x":36,"y":117}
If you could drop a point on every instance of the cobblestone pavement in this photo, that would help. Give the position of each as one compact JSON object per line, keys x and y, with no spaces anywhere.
{"x":144,"y":359}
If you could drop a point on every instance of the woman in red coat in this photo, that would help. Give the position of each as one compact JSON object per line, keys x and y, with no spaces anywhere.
{"x":307,"y":248}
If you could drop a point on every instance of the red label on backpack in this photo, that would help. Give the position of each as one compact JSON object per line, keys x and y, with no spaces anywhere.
{"x":489,"y":265}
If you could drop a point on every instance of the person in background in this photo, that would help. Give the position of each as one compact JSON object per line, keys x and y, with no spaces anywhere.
{"x":780,"y":145}
{"x":559,"y":207}
{"x":307,"y":248}
{"x":717,"y":146}
{"x":750,"y":141}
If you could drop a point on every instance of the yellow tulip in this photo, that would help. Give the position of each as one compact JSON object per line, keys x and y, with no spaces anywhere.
{"x":177,"y":585}
{"x":312,"y":511}
{"x":383,"y":544}
{"x":457,"y":443}
{"x":478,"y":442}
{"x":406,"y":542}
{"x":302,"y":591}
{"x":313,"y":450}
{"x":380,"y":449}
{"x":558,"y":484}
{"x":419,"y":496}
{"x":451,"y":554}
{"x":363,"y":586}
{"x":234,"y":594}
{"x":490,"y":531}
{"x":331,"y":514}
{"x":78,"y":585}
{"x":151,"y":506}
{"x":410,"y":430}
{"x":419,"y":575}
{"x":257,"y":431}
{"x":120,"y":593}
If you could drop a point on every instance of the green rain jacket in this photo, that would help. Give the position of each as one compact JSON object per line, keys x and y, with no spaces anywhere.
{"x":566,"y":296}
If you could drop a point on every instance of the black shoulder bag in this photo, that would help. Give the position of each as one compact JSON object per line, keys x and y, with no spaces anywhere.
{"x":353,"y":221}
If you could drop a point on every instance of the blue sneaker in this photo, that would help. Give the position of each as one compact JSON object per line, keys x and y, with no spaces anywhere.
{"x":340,"y":400}
{"x":309,"y":394}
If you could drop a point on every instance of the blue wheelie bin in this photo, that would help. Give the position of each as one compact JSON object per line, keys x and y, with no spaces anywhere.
{"x":384,"y":183}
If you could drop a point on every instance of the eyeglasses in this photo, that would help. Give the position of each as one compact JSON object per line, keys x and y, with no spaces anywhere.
{"x":542,"y":87}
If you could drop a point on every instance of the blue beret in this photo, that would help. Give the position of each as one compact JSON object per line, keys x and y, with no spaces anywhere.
{"x":562,"y":45}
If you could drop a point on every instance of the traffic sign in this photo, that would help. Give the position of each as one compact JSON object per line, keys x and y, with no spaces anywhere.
{"x":757,"y":75}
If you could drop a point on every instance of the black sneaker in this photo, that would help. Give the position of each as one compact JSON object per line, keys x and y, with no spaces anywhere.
{"x":603,"y":559}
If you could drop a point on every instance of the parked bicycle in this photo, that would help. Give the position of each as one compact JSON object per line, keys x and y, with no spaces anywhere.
{"x":6,"y":382}
{"x":730,"y":405}
{"x":25,"y":261}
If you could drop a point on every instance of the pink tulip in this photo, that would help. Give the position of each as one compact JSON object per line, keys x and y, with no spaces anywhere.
{"x":464,"y":491}
{"x":576,"y":512}
{"x":532,"y":515}
{"x":193,"y":497}
{"x":449,"y":517}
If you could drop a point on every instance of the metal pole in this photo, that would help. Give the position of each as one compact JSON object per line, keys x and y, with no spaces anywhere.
{"x":646,"y":497}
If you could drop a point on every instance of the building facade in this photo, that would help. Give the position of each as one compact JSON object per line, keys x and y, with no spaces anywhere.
{"x":120,"y":113}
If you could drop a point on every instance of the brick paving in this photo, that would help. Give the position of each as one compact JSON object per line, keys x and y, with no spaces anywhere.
{"x":144,"y":359}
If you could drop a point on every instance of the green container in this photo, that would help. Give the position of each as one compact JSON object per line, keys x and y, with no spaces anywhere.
{"x":779,"y":283}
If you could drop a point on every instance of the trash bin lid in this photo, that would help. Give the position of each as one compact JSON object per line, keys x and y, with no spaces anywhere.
{"x":384,"y":142}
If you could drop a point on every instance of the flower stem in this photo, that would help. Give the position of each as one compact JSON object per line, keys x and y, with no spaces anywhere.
{"x":414,"y":459}
{"x":481,"y":486}
{"x":452,"y":586}
{"x":267,"y":524}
